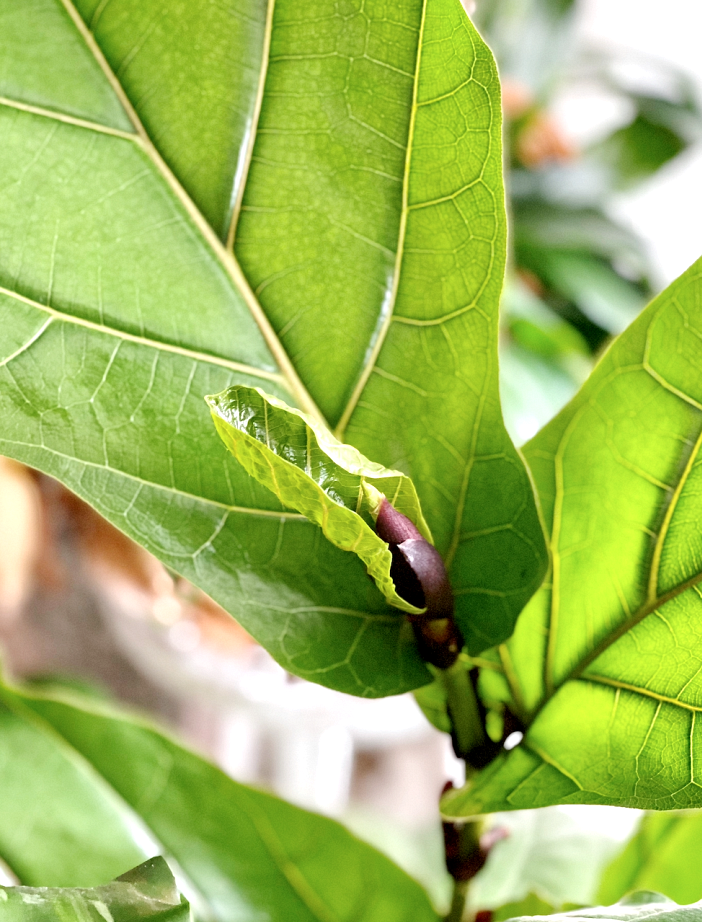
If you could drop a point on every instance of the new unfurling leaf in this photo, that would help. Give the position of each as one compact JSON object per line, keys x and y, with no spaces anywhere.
{"x":331,"y":484}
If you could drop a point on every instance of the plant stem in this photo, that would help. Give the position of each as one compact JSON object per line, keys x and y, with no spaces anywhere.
{"x":458,"y":901}
{"x":463,"y":709}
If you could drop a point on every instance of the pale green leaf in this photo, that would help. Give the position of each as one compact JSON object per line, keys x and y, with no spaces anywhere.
{"x":640,"y":906}
{"x":331,"y":484}
{"x":604,"y":666}
{"x":83,"y":785}
{"x":664,"y":855}
{"x":147,"y":892}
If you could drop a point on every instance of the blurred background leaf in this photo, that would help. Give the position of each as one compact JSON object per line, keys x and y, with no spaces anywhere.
{"x":664,"y":855}
{"x":581,"y":265}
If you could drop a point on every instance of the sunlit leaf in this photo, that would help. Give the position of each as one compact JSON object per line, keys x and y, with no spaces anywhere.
{"x":148,"y":892}
{"x":604,"y":665}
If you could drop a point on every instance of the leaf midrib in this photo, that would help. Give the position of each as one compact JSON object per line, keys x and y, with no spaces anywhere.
{"x":226,"y":259}
{"x":290,"y":871}
{"x":252,"y":129}
{"x":157,"y":344}
{"x":389,"y":310}
{"x":244,"y":510}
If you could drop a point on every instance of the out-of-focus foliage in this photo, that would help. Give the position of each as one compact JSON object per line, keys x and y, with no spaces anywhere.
{"x":569,"y":255}
{"x":664,"y":855}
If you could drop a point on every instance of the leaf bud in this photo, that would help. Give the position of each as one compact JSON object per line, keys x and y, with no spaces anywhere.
{"x":420,"y":577}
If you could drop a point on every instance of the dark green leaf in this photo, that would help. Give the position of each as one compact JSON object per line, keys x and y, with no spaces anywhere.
{"x":604,"y":664}
{"x":352,"y":154}
{"x":243,"y":853}
{"x":543,"y":227}
{"x":639,"y":149}
{"x":148,"y":892}
{"x":603,"y":296}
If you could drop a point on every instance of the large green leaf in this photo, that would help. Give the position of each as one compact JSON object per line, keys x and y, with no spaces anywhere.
{"x":664,"y":855}
{"x":351,"y":153}
{"x":331,"y":484}
{"x":604,"y":666}
{"x":148,"y":892}
{"x":87,"y":790}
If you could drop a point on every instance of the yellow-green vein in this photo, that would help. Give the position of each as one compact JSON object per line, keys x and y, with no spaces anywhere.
{"x":227,"y":260}
{"x":399,"y":256}
{"x":242,"y":170}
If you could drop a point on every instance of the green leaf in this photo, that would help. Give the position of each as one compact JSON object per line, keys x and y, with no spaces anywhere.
{"x":542,"y":227}
{"x":350,"y":156}
{"x":531,"y":905}
{"x":147,"y":892}
{"x":242,"y":853}
{"x":603,"y":296}
{"x":309,"y":471}
{"x":662,"y":856}
{"x":638,"y":150}
{"x":644,"y":905}
{"x":61,"y":825}
{"x":604,"y":664}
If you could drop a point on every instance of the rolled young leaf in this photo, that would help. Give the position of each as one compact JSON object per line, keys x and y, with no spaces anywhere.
{"x":147,"y":893}
{"x":311,"y":472}
{"x":604,"y":666}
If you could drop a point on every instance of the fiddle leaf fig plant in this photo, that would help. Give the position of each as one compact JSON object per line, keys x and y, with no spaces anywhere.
{"x":299,"y":208}
{"x":305,"y":199}
{"x":610,"y":641}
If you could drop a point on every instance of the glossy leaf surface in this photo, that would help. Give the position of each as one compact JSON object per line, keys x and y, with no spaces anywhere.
{"x":331,"y":484}
{"x":141,"y":141}
{"x":664,"y":855}
{"x":148,"y":892}
{"x":604,"y":665}
{"x":243,"y":854}
{"x":640,"y":906}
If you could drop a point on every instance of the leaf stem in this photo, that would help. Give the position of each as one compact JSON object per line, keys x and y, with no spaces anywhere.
{"x":463,"y":709}
{"x":458,"y":901}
